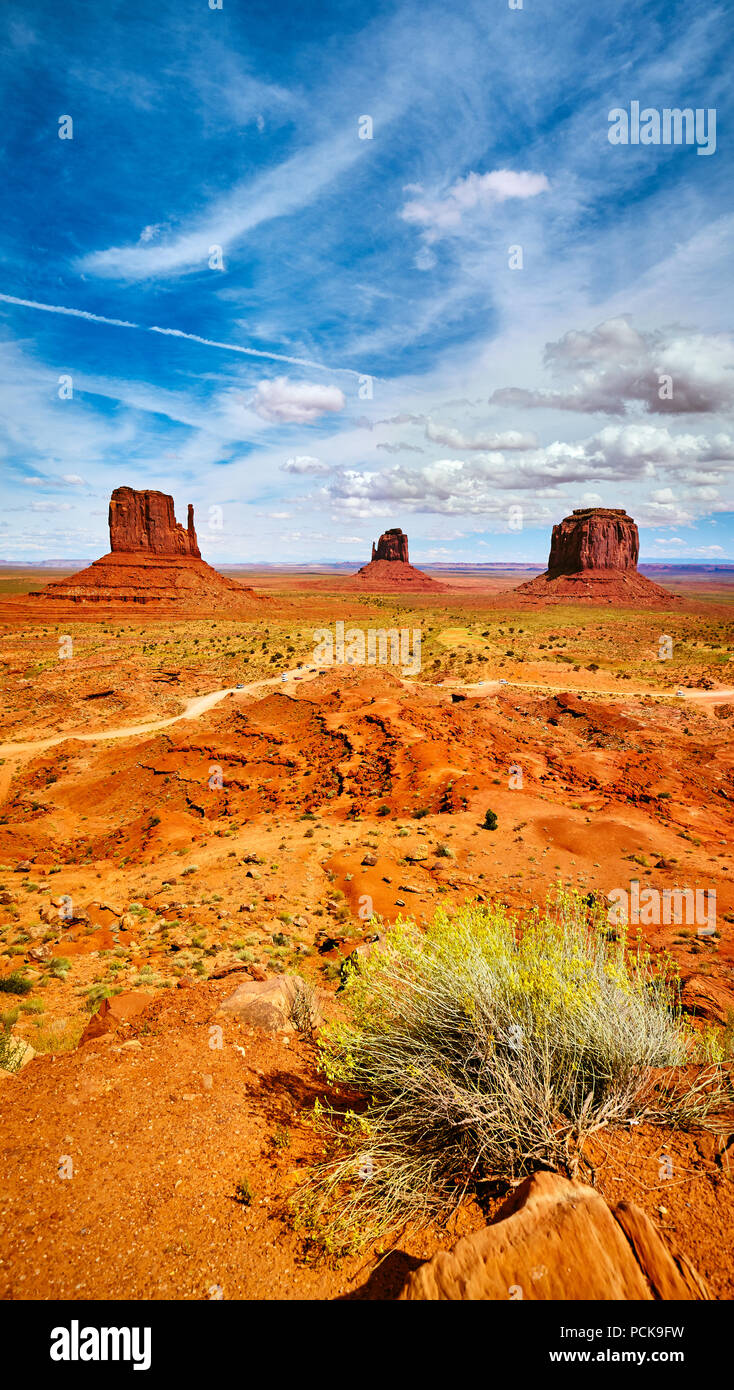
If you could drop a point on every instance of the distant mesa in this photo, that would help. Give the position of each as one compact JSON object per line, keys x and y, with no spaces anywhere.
{"x":152,"y":559}
{"x":593,"y":558}
{"x":389,"y":568}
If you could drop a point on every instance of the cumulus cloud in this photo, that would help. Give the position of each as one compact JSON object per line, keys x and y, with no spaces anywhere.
{"x":442,"y":215}
{"x":613,"y":369}
{"x":455,"y":439}
{"x":282,"y":401}
{"x":621,"y":454}
{"x":303,"y":463}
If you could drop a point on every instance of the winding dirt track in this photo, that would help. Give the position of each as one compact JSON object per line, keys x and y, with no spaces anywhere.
{"x":199,"y":704}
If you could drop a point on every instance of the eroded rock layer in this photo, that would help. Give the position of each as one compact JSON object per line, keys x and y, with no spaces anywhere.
{"x":558,"y":1240}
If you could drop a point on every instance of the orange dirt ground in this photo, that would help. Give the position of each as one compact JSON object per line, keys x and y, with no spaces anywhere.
{"x":182,"y":883}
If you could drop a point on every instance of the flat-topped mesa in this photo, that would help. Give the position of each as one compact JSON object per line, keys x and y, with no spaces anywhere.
{"x":593,"y":559}
{"x":153,"y":559}
{"x":392,"y":545}
{"x":145,"y":521}
{"x":594,"y":538}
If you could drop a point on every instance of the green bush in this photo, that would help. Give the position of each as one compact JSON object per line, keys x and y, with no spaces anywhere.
{"x":16,"y":983}
{"x":490,"y":820}
{"x":486,"y":1048}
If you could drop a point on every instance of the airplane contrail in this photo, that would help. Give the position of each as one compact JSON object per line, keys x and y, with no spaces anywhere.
{"x":178,"y":333}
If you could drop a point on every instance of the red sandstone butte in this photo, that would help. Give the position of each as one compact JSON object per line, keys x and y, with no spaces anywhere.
{"x":389,"y":568}
{"x":392,"y":545}
{"x":594,"y":538}
{"x":593,"y":558}
{"x":146,"y":521}
{"x":153,"y":560}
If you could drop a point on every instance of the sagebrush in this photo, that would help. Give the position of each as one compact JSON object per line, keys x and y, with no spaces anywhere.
{"x":490,"y":1045}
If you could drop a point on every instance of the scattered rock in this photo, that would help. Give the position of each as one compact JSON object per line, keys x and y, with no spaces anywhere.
{"x":39,"y":953}
{"x":121,"y":1008}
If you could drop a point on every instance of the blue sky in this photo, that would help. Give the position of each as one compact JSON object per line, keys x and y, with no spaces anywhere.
{"x":352,"y":338}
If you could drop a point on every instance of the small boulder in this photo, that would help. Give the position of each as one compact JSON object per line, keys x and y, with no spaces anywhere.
{"x":558,"y":1240}
{"x":285,"y":1001}
{"x":706,"y":999}
{"x":20,"y":1053}
{"x":121,"y":1008}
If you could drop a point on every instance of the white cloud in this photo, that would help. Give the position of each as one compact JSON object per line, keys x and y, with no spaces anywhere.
{"x":303,"y":463}
{"x":441,"y":215}
{"x":613,"y":369}
{"x":486,"y":482}
{"x":455,"y":439}
{"x":282,"y":401}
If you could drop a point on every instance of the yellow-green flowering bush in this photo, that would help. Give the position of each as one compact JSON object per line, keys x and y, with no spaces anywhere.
{"x":487,"y":1046}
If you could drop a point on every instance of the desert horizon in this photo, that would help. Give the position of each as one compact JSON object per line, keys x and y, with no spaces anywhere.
{"x":366,"y":676}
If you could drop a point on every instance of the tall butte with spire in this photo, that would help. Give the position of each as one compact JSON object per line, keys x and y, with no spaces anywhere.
{"x":389,"y":568}
{"x":152,"y":559}
{"x":593,"y":558}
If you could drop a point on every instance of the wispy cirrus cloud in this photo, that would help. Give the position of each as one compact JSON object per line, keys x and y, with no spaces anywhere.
{"x":276,"y":193}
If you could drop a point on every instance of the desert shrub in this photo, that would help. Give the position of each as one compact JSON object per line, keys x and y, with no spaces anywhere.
{"x":486,"y":1048}
{"x":16,"y":983}
{"x":302,"y":1012}
{"x":490,"y":820}
{"x":243,"y":1192}
{"x":95,"y":995}
{"x":10,"y":1052}
{"x":59,"y":967}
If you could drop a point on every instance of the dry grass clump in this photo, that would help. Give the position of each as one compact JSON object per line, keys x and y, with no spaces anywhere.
{"x":487,"y":1047}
